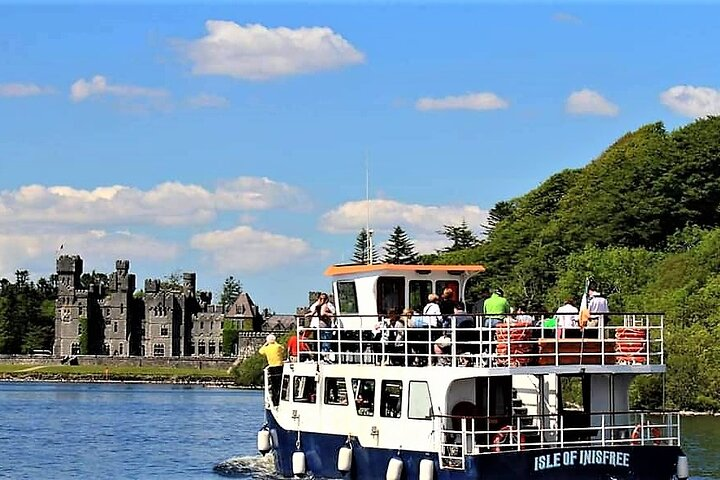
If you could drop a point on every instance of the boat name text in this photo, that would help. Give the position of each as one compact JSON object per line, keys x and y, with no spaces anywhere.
{"x":582,"y":458}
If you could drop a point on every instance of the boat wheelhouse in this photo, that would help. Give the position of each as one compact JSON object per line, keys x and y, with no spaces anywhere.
{"x":369,"y":399}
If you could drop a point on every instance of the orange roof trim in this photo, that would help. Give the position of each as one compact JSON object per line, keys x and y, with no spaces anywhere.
{"x":335,"y":270}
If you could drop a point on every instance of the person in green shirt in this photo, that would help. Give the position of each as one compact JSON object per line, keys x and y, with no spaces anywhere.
{"x":495,"y":308}
{"x":275,"y":354}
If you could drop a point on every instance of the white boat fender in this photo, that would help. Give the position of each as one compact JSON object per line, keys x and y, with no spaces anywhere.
{"x":298,"y":463}
{"x":344,"y":460}
{"x":394,"y":469}
{"x":264,"y":444}
{"x":426,"y":469}
{"x":683,"y":471}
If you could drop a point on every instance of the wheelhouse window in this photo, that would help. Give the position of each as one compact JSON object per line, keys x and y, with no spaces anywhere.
{"x":391,"y":398}
{"x":285,"y":388}
{"x":364,"y":391}
{"x":390,"y":294}
{"x":453,"y":285}
{"x":304,"y":389}
{"x":347,"y":297}
{"x":419,"y":291}
{"x":419,"y":403}
{"x":335,"y":391}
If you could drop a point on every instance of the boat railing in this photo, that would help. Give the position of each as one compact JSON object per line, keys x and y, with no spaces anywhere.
{"x":463,"y":435}
{"x":487,"y":341}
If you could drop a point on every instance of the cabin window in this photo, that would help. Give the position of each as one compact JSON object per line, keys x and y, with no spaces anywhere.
{"x":391,"y":398}
{"x":453,"y":285}
{"x":285,"y":389}
{"x":304,"y":389}
{"x":335,"y":391}
{"x":419,"y":403}
{"x":390,"y":294}
{"x":364,"y":391}
{"x":347,"y":297}
{"x":419,"y":291}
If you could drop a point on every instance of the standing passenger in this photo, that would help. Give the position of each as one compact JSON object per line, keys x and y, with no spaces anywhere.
{"x":273,"y":352}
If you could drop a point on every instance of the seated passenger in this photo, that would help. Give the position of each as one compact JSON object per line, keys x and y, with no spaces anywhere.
{"x":567,"y":320}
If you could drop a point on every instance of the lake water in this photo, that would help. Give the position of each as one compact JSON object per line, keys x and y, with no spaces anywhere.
{"x":130,"y":431}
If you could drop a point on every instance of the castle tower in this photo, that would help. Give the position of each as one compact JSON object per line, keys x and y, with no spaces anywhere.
{"x":121,"y":333}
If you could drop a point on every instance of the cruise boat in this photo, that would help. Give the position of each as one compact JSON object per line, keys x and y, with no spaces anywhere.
{"x":465,"y":401}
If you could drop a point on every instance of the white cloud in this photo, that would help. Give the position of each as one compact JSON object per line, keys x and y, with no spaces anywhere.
{"x":565,"y":17}
{"x":350,"y":217}
{"x":23,"y":90}
{"x":256,"y":52}
{"x":83,"y":89}
{"x":590,"y":102}
{"x":692,"y":101}
{"x":169,"y":203}
{"x":36,"y":251}
{"x":244,"y":249}
{"x":208,"y":100}
{"x":469,"y":101}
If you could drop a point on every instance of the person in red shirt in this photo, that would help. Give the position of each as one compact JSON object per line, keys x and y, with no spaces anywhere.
{"x":296,"y":345}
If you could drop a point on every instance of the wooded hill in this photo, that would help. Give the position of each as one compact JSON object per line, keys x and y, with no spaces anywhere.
{"x":643,"y":219}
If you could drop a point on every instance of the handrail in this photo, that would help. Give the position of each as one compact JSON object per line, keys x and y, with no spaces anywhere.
{"x":639,"y":340}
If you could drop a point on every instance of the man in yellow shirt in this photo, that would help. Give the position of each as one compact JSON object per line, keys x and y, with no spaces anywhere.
{"x":275,"y":353}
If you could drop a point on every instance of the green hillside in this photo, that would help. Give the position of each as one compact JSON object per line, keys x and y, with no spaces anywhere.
{"x":643,"y":219}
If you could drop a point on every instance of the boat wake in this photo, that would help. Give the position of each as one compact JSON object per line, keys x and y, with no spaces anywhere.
{"x":255,"y":467}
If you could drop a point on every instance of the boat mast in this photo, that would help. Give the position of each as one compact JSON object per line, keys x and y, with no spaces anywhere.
{"x":368,"y":237}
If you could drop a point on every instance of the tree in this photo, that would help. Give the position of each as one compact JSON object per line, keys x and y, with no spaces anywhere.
{"x":400,"y":249}
{"x":230,"y":292}
{"x":498,"y":213}
{"x":94,"y":278}
{"x":172,"y":281}
{"x":361,"y":249}
{"x":461,"y":237}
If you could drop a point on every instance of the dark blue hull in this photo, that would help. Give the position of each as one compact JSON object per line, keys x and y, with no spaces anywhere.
{"x":656,"y":462}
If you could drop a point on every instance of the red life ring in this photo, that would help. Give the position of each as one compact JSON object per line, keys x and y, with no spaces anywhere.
{"x":502,"y":435}
{"x":655,"y":434}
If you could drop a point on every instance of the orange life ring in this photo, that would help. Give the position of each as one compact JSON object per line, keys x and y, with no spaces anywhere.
{"x":655,"y":434}
{"x":502,"y":435}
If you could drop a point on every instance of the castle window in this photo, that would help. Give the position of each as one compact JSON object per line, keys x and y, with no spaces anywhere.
{"x":79,"y":328}
{"x":159,"y":350}
{"x":211,"y":347}
{"x":115,"y":327}
{"x":202,"y":325}
{"x":75,"y":349}
{"x":122,"y":307}
{"x":211,"y":326}
{"x":121,"y":349}
{"x":191,"y":349}
{"x":106,"y":349}
{"x":107,"y":311}
{"x":164,"y":330}
{"x":201,"y":347}
{"x":80,"y":310}
{"x":220,"y":349}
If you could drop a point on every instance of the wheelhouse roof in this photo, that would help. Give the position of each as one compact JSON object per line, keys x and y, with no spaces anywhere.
{"x":337,"y":270}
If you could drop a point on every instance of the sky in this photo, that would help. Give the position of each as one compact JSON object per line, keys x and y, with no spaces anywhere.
{"x":240,"y":138}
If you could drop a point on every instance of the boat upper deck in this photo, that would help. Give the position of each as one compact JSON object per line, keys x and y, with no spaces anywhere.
{"x":529,"y":343}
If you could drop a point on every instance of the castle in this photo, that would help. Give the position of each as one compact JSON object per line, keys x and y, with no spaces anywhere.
{"x":167,"y":321}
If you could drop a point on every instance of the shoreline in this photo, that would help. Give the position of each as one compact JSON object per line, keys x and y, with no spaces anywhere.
{"x":208,"y":383}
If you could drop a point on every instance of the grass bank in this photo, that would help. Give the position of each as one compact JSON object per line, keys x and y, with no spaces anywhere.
{"x":96,"y":373}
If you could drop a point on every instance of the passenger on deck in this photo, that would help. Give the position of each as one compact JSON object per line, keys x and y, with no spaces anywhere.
{"x":441,"y":349}
{"x":431,"y":311}
{"x":567,"y":320}
{"x":468,"y":338}
{"x":447,"y":304}
{"x":296,"y":346}
{"x":273,"y":352}
{"x":399,"y":349}
{"x":496,"y":308}
{"x":322,"y":312}
{"x":598,"y":306}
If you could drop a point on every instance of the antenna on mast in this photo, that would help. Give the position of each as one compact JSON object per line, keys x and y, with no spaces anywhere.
{"x":369,"y":233}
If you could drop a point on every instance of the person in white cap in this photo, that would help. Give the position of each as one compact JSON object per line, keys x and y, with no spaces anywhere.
{"x":274,"y":352}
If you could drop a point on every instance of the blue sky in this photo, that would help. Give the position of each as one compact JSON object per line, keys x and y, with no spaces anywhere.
{"x":232,"y":139}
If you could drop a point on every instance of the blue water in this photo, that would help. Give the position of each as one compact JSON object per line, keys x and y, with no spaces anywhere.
{"x":130,"y":431}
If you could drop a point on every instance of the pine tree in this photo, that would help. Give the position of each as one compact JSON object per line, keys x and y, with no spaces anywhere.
{"x":230,"y":292}
{"x":461,"y":237}
{"x":400,"y":249}
{"x":500,"y":211}
{"x":361,"y":251}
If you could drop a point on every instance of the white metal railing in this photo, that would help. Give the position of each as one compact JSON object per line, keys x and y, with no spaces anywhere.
{"x":629,"y":339}
{"x":461,"y":436}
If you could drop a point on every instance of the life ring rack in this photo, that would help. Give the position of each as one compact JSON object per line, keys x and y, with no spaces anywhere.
{"x":502,"y":435}
{"x":636,"y":434}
